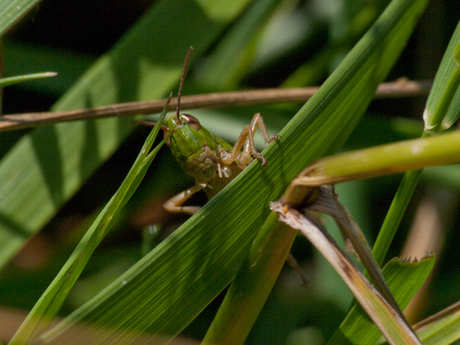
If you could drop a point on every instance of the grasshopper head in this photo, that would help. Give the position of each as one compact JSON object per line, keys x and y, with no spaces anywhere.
{"x":188,"y":137}
{"x":187,"y":134}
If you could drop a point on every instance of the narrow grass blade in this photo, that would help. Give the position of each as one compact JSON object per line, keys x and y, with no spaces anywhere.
{"x":439,"y":102}
{"x":20,"y":79}
{"x":404,"y":279}
{"x":51,"y":301}
{"x":20,"y":55}
{"x":395,"y":214}
{"x":443,"y":328}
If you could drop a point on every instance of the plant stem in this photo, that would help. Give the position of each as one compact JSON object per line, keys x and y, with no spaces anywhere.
{"x":252,"y":285}
{"x":212,"y":100}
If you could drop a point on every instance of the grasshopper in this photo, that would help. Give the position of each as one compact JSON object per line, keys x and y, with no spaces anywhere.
{"x":210,"y":160}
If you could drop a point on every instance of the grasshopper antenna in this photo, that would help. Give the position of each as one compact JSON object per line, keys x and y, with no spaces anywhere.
{"x":181,"y":85}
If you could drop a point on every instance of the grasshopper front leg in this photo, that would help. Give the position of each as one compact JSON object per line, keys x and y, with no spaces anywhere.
{"x":246,"y":138}
{"x":175,"y":203}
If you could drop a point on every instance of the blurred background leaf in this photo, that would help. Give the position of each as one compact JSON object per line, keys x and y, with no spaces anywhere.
{"x":12,"y":11}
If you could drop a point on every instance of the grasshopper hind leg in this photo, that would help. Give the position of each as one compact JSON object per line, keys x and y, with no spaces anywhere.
{"x":175,"y":203}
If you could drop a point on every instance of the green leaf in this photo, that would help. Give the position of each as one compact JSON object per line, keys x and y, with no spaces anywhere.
{"x":51,"y":301}
{"x":444,"y":100}
{"x":165,"y":290}
{"x":12,"y":11}
{"x":443,"y":328}
{"x":404,"y":279}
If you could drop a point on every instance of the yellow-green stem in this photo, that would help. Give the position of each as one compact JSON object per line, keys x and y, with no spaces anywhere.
{"x":252,"y":285}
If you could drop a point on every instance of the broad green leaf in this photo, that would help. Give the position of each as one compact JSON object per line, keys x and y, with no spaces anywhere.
{"x":404,"y":279}
{"x":51,"y":301}
{"x":48,"y":166}
{"x":166,"y":289}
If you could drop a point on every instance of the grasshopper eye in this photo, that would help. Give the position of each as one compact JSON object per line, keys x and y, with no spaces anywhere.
{"x":192,"y":121}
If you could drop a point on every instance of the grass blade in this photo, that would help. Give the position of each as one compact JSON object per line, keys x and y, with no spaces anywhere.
{"x":447,"y":71}
{"x":51,"y":301}
{"x":20,"y":79}
{"x":441,"y":328}
{"x":404,"y":279}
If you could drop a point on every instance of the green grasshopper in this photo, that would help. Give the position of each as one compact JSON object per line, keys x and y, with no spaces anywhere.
{"x":210,"y":160}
